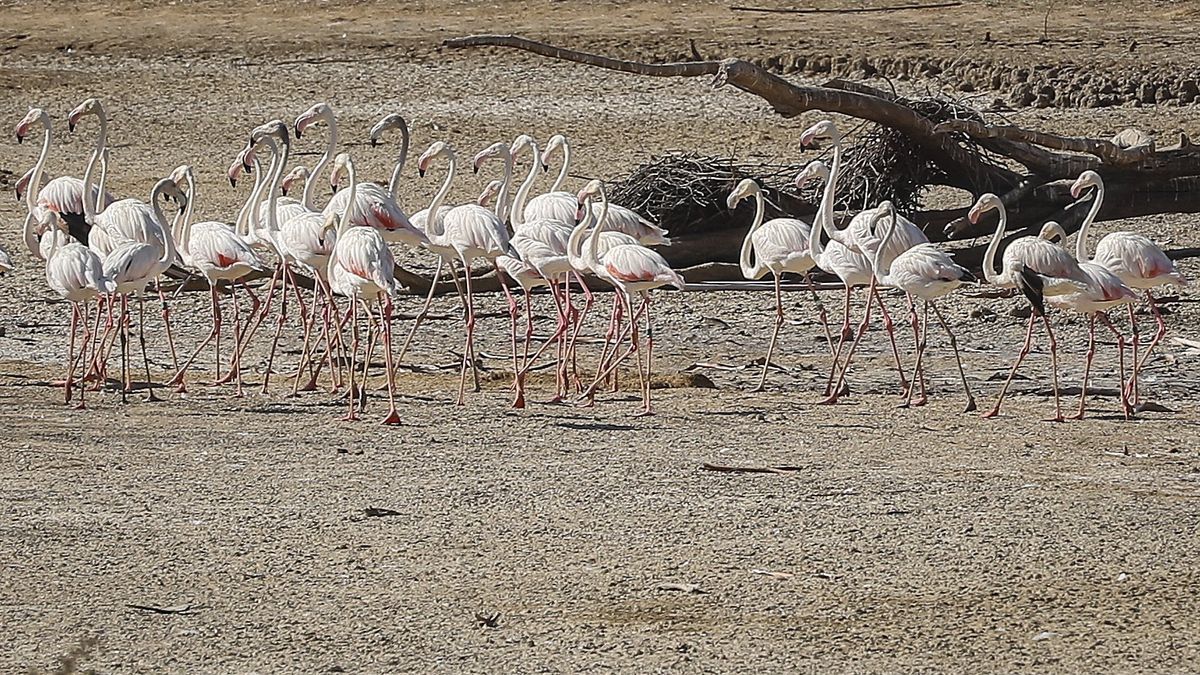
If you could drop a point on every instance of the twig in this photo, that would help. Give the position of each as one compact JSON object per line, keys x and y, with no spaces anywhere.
{"x":708,"y":466}
{"x":845,"y":10}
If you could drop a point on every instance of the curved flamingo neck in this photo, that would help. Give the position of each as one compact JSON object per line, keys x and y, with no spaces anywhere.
{"x":394,"y":182}
{"x":593,"y":258}
{"x":752,"y":269}
{"x":879,"y":265}
{"x":562,"y":170}
{"x":330,"y":149}
{"x":575,"y":242}
{"x":276,"y":177}
{"x":35,"y":181}
{"x":184,"y":240}
{"x":824,"y":212}
{"x":517,"y":215}
{"x":31,"y":240}
{"x":98,"y":156}
{"x":434,"y":228}
{"x":505,"y":182}
{"x":352,"y":202}
{"x":989,"y":257}
{"x":168,"y":254}
{"x":1081,"y":252}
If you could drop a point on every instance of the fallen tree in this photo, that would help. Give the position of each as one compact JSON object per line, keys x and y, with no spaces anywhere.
{"x":967,"y":152}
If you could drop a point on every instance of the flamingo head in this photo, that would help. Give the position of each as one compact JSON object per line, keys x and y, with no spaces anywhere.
{"x":298,"y":173}
{"x":557,"y":143}
{"x":494,"y":150}
{"x":815,"y":169}
{"x":438,"y":149}
{"x":744,"y":189}
{"x":245,"y":161}
{"x":988,"y":202}
{"x":389,"y":121}
{"x":1052,"y":230}
{"x":330,"y":224}
{"x":319,"y":112}
{"x":91,"y":106}
{"x":885,"y":209}
{"x":520,"y":143}
{"x":234,"y":171}
{"x":22,"y":184}
{"x":489,"y":193}
{"x":594,"y":188}
{"x":1086,"y":180}
{"x":341,"y":164}
{"x":171,"y":192}
{"x":277,"y":128}
{"x":34,"y":115}
{"x":180,"y":175}
{"x":824,"y":131}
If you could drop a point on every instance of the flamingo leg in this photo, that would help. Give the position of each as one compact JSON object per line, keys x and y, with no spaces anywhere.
{"x":762,"y":379}
{"x":846,"y":334}
{"x":590,"y":393}
{"x":1058,"y":416}
{"x":821,"y":313}
{"x":217,"y":344}
{"x":1087,"y":366}
{"x":123,"y":325}
{"x":1126,"y":407}
{"x":513,"y":313}
{"x":352,"y":396}
{"x":577,"y":326}
{"x":647,"y":409}
{"x":555,"y":339}
{"x":393,"y":416}
{"x":166,"y":318}
{"x":614,"y":323}
{"x":307,"y":346}
{"x":424,"y":312}
{"x":372,"y":337}
{"x":235,"y":361}
{"x":469,"y":344}
{"x":918,"y":374}
{"x":1133,"y":381}
{"x":970,"y":407}
{"x":71,"y":354}
{"x":265,"y":309}
{"x":89,"y":345}
{"x":1012,"y":373}
{"x":890,"y":327}
{"x":150,"y":398}
{"x":1158,"y":336}
{"x":283,"y":312}
{"x":836,"y":391}
{"x":181,"y":375}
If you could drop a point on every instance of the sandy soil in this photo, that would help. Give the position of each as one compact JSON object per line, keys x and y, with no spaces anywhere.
{"x":891,"y":540}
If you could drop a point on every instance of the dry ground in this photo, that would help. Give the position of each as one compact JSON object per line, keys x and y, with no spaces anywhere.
{"x":899,"y":540}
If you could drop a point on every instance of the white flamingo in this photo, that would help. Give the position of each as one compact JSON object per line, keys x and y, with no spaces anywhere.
{"x":133,"y":264}
{"x":1136,"y":260}
{"x":632,"y":269}
{"x":1039,"y":268}
{"x":473,"y":232}
{"x":928,"y":273}
{"x":859,"y":238}
{"x":1104,"y":292}
{"x":215,"y":250}
{"x":778,"y":246}
{"x":363,"y":267}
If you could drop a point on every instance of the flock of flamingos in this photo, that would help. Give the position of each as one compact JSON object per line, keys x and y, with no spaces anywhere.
{"x":98,"y":251}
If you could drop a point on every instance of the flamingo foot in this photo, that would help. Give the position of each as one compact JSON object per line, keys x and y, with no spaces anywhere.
{"x":519,"y":402}
{"x":991,"y":413}
{"x":1056,"y":419}
{"x":971,"y":407}
{"x":392,"y":419}
{"x":81,"y":406}
{"x":921,"y":401}
{"x":151,"y":398}
{"x":647,"y":412}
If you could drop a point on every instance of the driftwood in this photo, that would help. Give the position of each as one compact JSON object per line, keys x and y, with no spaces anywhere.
{"x":1141,"y":178}
{"x":845,"y":10}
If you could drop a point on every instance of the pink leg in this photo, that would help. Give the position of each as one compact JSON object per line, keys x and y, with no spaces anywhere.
{"x":762,"y":379}
{"x":835,"y":393}
{"x":1020,"y":357}
{"x":1126,"y":407}
{"x":1087,"y":366}
{"x":846,"y":334}
{"x":890,"y":327}
{"x":166,"y":318}
{"x":393,"y":416}
{"x":71,"y":354}
{"x":1058,"y":416}
{"x":957,"y":357}
{"x":469,"y":343}
{"x":216,"y":317}
{"x":352,"y":412}
{"x":142,"y":340}
{"x":1158,"y":336}
{"x":519,"y":397}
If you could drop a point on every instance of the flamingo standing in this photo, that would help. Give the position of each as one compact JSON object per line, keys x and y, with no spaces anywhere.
{"x":219,"y":254}
{"x":1104,"y":291}
{"x":473,"y":232}
{"x":63,"y":194}
{"x":853,"y":269}
{"x":133,"y":264}
{"x":1028,"y":262}
{"x":777,"y":246}
{"x":1137,"y":261}
{"x":928,"y":273}
{"x":858,"y":238}
{"x":632,"y":269}
{"x":362,"y":266}
{"x":556,"y":203}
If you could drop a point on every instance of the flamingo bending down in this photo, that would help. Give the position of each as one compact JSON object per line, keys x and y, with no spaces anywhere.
{"x":1104,"y":291}
{"x":1028,"y":261}
{"x":472,"y":231}
{"x":928,"y":273}
{"x":777,"y":246}
{"x":1137,"y":261}
{"x":857,"y":237}
{"x":219,"y":254}
{"x":133,"y":264}
{"x":62,"y":195}
{"x":632,"y":269}
{"x":362,"y":267}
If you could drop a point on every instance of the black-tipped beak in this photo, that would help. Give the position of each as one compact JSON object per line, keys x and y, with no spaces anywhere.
{"x":20,"y":138}
{"x":545,"y":168}
{"x":283,"y":191}
{"x":333,"y":189}
{"x":247,"y":168}
{"x":232,"y":182}
{"x":298,"y":132}
{"x":374,"y":142}
{"x":71,"y":127}
{"x":421,"y":173}
{"x":475,"y":169}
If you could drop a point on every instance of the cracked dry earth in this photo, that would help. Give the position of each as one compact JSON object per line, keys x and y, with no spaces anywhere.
{"x":271,"y":537}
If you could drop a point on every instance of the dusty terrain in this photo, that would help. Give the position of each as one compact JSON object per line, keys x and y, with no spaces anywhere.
{"x":893,"y":540}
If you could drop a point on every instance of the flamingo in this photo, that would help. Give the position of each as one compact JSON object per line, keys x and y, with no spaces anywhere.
{"x":1104,"y":291}
{"x":926,"y":272}
{"x":858,"y":238}
{"x":527,"y":276}
{"x":632,"y":269}
{"x":388,"y":122}
{"x":1028,"y":261}
{"x":6,"y":263}
{"x":219,"y":254}
{"x":853,"y":269}
{"x":1137,"y":261}
{"x":133,"y":264}
{"x":556,"y":204}
{"x":62,"y":195}
{"x":77,"y":275}
{"x":376,"y":207}
{"x":363,"y":266}
{"x":777,"y":246}
{"x":472,"y":231}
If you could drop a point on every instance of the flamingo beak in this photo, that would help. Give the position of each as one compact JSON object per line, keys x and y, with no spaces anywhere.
{"x":973,"y":215}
